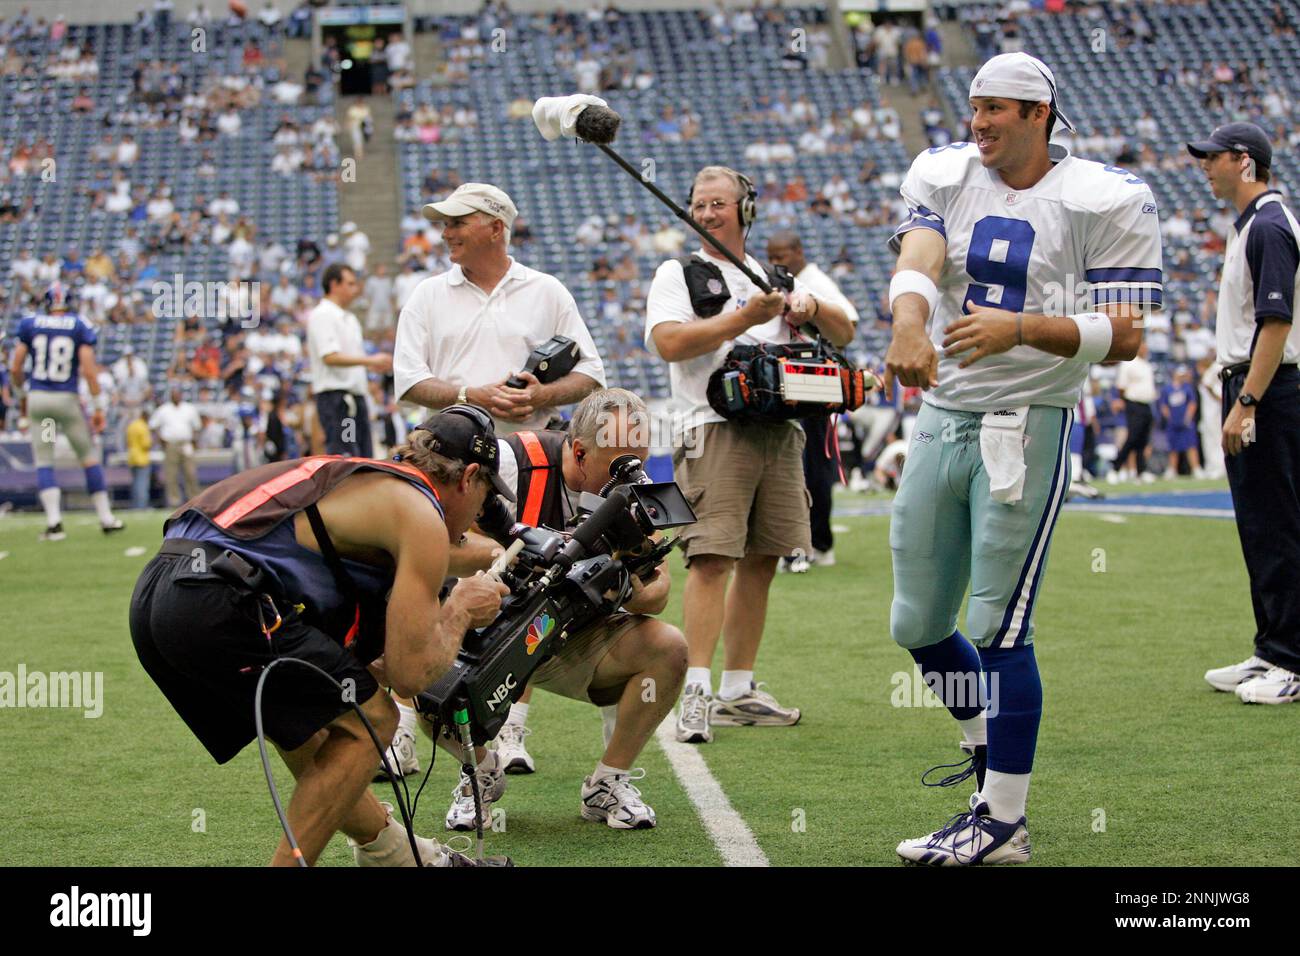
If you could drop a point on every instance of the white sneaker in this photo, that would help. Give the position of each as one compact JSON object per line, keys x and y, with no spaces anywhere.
{"x":512,"y":755}
{"x":1228,"y":678}
{"x":114,"y":525}
{"x":491,"y":786}
{"x":393,"y":848}
{"x":1198,"y":472}
{"x":693,"y":716}
{"x":401,"y":755}
{"x":1148,"y":478}
{"x":54,"y":532}
{"x":797,"y":564}
{"x":824,"y":559}
{"x":1112,"y":477}
{"x":970,"y":839}
{"x":755,"y":708}
{"x":613,"y":799}
{"x":1277,"y":686}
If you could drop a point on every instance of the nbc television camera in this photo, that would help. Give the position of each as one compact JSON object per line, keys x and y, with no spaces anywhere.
{"x":558,"y":583}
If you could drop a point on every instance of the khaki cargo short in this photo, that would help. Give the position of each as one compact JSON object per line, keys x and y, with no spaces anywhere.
{"x":570,"y":672}
{"x":747,"y":487}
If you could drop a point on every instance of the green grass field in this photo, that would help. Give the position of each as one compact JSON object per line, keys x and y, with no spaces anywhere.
{"x":1139,"y":762}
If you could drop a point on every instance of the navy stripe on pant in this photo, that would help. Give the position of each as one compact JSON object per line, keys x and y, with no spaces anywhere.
{"x":1266,"y":496}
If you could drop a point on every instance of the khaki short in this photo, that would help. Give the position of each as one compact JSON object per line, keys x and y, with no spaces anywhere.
{"x":570,"y":672}
{"x":747,"y":488}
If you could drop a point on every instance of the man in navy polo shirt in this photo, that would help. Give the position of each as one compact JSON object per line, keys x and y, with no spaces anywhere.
{"x":1259,"y":346}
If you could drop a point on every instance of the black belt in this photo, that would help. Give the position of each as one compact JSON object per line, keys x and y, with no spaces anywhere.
{"x":1241,"y":368}
{"x":231,"y":567}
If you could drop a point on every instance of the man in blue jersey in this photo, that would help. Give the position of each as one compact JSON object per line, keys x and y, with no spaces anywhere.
{"x":61,"y":345}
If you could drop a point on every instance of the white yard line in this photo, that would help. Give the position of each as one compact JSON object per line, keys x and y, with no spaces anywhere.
{"x":727,"y":828}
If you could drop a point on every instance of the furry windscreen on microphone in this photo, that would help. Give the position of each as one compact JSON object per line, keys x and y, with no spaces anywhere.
{"x":598,"y":124}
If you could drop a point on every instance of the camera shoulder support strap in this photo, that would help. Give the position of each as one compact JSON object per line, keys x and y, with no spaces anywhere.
{"x":335,"y":564}
{"x":537,"y":478}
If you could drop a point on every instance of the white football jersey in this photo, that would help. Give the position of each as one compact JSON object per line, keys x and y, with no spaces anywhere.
{"x":1085,"y":235}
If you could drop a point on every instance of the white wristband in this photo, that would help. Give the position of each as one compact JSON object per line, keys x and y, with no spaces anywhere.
{"x":99,"y":402}
{"x":1094,"y":336}
{"x":910,"y":280}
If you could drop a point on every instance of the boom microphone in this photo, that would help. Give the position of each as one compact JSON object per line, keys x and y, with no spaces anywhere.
{"x":598,"y":124}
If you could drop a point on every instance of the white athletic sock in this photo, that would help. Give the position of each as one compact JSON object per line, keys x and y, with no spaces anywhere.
{"x":518,"y":714}
{"x":1006,"y":795}
{"x":406,"y":718}
{"x":50,"y":502}
{"x":609,"y":716}
{"x":100,"y":498}
{"x":701,"y":676}
{"x":604,"y":770}
{"x":735,"y":684}
{"x":390,"y":848}
{"x":975,"y":729}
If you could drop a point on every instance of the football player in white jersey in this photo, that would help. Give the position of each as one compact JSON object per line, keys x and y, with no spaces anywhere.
{"x":1018,"y":266}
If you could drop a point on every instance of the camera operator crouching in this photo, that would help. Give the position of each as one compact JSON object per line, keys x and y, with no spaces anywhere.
{"x":629,"y":665}
{"x":333,"y":563}
{"x":744,"y":480}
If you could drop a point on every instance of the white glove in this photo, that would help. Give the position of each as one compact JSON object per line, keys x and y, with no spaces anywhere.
{"x":557,"y":116}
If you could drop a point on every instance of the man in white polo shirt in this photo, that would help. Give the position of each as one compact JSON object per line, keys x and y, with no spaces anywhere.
{"x":338,"y":366}
{"x":464,"y":332}
{"x":177,"y":425}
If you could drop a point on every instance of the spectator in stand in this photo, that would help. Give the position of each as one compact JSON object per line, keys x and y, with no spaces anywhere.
{"x":380,"y":315}
{"x":356,"y":246}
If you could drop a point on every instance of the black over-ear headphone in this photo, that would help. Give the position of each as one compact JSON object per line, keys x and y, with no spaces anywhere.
{"x":747,"y":206}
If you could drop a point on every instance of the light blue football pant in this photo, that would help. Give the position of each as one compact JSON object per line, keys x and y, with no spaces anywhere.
{"x":946,"y":532}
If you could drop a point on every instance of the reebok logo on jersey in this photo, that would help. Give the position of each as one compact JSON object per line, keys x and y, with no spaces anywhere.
{"x":1011,"y":198}
{"x":924,"y":437}
{"x":1148,"y":207}
{"x":1274,"y":296}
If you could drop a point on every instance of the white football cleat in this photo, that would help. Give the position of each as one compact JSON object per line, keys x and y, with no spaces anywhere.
{"x":972,"y":838}
{"x":512,"y":755}
{"x":1277,"y":686}
{"x":1229,"y":678}
{"x":491,"y":787}
{"x":693,"y":716}
{"x":824,"y":559}
{"x":613,"y":799}
{"x":54,"y":532}
{"x":114,"y":525}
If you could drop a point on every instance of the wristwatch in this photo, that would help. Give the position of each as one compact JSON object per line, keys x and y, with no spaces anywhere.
{"x":463,"y":395}
{"x":1247,"y":399}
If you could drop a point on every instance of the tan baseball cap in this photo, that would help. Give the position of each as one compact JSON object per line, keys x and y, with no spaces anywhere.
{"x":473,"y":197}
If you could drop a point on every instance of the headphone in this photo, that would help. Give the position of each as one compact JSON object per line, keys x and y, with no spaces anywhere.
{"x":476,"y":415}
{"x":747,"y":207}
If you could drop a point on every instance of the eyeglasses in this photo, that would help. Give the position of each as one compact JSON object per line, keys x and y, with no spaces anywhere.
{"x":716,"y":205}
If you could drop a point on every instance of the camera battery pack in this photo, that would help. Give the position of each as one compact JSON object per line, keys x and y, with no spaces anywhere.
{"x":735,"y":391}
{"x":811,"y":381}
